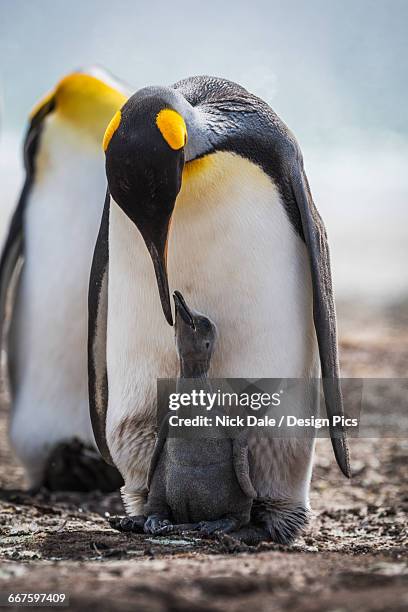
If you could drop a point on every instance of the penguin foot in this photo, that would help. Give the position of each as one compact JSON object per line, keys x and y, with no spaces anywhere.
{"x":134,"y":524}
{"x":281,"y":519}
{"x":250,"y":535}
{"x":181,"y":528}
{"x":73,"y":466}
{"x":203,"y":528}
{"x":156,"y":525}
{"x":207,"y":528}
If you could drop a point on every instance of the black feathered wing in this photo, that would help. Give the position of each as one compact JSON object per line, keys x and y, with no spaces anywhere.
{"x":11,"y":256}
{"x":97,"y":326}
{"x":324,"y":313}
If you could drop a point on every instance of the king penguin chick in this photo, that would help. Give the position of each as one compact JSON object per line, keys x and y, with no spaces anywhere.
{"x":202,"y":478}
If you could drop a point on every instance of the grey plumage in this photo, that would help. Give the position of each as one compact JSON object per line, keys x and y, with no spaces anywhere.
{"x":199,"y":481}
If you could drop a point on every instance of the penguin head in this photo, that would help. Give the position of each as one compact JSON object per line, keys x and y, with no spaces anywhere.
{"x":144,"y":146}
{"x":195,"y":335}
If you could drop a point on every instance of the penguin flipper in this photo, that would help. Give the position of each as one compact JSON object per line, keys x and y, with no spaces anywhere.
{"x":11,"y":256}
{"x":97,"y":323}
{"x":241,"y":464}
{"x":158,"y":449}
{"x":323,"y":309}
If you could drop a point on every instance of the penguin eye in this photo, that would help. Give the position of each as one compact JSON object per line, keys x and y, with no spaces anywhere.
{"x":207,"y":345}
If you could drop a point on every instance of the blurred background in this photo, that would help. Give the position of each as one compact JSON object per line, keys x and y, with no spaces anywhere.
{"x":335,"y":71}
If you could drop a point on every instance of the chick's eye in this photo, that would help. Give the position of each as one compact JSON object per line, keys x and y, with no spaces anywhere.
{"x":207,"y":345}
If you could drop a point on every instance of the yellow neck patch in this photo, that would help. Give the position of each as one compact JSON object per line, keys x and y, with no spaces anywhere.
{"x":172,"y":128}
{"x":200,"y":176}
{"x":85,"y":101}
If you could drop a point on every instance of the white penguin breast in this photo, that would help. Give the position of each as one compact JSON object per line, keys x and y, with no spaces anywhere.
{"x":234,"y":255}
{"x":48,"y":336}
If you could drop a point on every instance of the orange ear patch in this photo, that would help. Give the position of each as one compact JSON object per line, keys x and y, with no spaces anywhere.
{"x":172,"y":127}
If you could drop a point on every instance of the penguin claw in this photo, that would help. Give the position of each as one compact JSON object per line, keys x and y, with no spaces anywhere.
{"x":134,"y":524}
{"x":208,"y":528}
{"x":154,"y":525}
{"x":183,"y":528}
{"x":166,"y":529}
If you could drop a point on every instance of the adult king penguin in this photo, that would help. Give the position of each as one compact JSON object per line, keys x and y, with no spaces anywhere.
{"x":53,"y":231}
{"x":211,"y":181}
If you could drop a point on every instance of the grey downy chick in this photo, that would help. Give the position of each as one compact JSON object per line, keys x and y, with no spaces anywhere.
{"x":199,"y":483}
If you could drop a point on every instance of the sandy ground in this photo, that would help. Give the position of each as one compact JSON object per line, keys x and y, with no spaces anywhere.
{"x":352,"y":556}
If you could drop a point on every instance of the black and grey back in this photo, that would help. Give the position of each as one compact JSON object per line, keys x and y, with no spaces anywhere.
{"x":201,"y":481}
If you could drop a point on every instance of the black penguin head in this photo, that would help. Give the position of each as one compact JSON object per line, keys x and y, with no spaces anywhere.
{"x":195,"y":336}
{"x":144,"y":145}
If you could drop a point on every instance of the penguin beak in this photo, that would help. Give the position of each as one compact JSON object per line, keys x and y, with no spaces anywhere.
{"x":157,"y":247}
{"x":182,"y":310}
